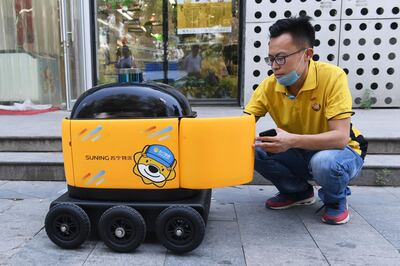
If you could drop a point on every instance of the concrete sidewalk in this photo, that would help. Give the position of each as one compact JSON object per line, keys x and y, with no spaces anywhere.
{"x":376,"y":123}
{"x":240,"y":231}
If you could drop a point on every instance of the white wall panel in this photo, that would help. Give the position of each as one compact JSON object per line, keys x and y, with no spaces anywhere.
{"x":271,"y":10}
{"x":361,"y":36}
{"x":370,"y":51}
{"x":256,"y":48}
{"x":370,"y":9}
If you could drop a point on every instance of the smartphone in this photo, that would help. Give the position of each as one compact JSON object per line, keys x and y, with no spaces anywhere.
{"x":268,"y":133}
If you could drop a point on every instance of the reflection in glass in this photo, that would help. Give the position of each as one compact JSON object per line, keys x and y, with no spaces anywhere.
{"x":202,"y":49}
{"x":209,"y":30}
{"x":131,"y":26}
{"x":30,"y":52}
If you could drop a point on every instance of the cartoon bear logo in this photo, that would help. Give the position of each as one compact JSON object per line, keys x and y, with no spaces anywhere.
{"x":155,"y":164}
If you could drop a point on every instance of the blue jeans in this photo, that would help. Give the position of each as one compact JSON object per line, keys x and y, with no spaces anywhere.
{"x":332,"y":169}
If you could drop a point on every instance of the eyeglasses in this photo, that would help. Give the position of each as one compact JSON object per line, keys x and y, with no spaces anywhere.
{"x":280,"y":59}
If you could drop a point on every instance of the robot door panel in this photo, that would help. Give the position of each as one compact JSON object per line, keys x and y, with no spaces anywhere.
{"x":216,"y":152}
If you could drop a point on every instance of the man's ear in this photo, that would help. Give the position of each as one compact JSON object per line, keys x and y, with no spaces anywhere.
{"x":309,"y":53}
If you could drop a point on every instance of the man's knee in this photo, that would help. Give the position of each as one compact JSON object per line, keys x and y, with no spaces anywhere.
{"x":266,"y":165}
{"x":326,"y":167}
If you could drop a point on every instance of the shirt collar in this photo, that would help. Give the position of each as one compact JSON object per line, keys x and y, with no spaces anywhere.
{"x":309,"y":84}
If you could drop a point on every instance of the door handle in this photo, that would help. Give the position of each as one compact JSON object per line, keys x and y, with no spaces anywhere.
{"x":70,"y":37}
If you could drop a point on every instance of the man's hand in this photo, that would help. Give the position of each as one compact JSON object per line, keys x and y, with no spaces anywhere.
{"x":336,"y":138}
{"x":280,"y":143}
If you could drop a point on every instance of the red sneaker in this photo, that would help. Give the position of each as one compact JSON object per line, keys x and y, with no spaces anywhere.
{"x":283,"y":201}
{"x":336,"y":213}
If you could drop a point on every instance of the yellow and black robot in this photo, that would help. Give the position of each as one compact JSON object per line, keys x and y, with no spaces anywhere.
{"x":136,"y":159}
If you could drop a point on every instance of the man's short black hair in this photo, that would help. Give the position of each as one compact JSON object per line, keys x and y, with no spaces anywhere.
{"x":299,"y":27}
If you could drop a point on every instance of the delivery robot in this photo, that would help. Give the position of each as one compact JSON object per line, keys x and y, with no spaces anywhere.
{"x":138,"y":160}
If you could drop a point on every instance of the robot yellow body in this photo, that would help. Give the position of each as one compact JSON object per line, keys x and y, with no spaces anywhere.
{"x":160,"y":153}
{"x":119,"y":165}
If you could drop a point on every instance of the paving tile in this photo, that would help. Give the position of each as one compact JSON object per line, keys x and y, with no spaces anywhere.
{"x":221,"y":246}
{"x":5,"y":204}
{"x":282,"y":255}
{"x":12,"y":195}
{"x":32,"y":189}
{"x":244,"y":194}
{"x":231,"y":194}
{"x":47,"y":124}
{"x":393,"y":190}
{"x":385,"y":219}
{"x":217,"y":111}
{"x":377,"y":196}
{"x":146,"y":254}
{"x":41,"y":251}
{"x":344,"y":242}
{"x":20,"y":223}
{"x":263,"y":227}
{"x":272,"y":237}
{"x":221,"y":211}
{"x":363,"y":260}
{"x":260,"y":194}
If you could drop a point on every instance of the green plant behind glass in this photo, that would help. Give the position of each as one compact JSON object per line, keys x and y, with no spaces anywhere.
{"x":366,"y":101}
{"x":114,"y":3}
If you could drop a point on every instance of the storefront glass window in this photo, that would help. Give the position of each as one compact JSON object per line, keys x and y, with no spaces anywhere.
{"x":128,"y":36}
{"x":202,"y":44}
{"x":32,"y":62}
{"x":205,"y":45}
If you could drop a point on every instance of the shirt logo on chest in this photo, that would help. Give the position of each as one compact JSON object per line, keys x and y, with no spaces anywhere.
{"x":316,"y":107}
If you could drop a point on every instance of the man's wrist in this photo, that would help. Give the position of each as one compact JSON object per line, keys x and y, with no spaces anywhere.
{"x":295,"y":141}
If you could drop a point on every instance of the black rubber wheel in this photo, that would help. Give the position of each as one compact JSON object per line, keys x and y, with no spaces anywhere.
{"x":67,"y":225}
{"x":122,"y":228}
{"x":180,"y":228}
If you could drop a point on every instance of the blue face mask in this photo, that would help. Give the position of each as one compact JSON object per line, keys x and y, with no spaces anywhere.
{"x":290,"y":78}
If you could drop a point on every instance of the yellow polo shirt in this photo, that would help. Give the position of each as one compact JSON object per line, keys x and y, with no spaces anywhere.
{"x":324,"y":95}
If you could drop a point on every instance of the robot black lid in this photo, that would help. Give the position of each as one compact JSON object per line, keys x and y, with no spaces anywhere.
{"x":131,"y":100}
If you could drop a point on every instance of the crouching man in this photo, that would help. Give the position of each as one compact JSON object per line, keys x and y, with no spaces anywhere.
{"x":311,"y":104}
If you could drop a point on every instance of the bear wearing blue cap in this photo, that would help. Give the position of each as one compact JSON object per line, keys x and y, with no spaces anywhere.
{"x":155,"y":164}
